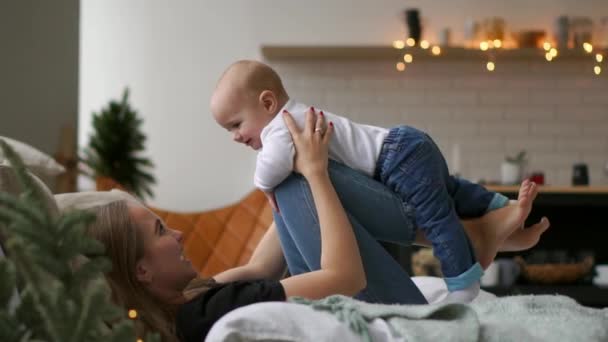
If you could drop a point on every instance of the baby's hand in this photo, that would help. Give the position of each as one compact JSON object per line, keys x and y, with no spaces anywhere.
{"x":272,"y":200}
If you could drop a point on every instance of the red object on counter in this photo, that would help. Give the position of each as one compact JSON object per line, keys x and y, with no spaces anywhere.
{"x":538,"y":178}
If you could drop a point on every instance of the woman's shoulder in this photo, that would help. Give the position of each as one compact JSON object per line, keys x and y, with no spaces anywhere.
{"x":195,"y":317}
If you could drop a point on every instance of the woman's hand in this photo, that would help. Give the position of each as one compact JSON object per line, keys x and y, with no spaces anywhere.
{"x":311,"y":143}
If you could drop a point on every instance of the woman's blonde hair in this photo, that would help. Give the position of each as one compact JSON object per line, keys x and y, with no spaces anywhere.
{"x":124,"y":246}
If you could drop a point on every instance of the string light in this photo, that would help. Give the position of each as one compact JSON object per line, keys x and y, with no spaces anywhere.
{"x":398,"y":44}
{"x":490,"y":66}
{"x":140,"y":340}
{"x":132,"y":314}
{"x":553,"y":52}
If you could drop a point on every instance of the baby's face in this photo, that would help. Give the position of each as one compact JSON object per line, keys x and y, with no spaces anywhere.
{"x":244,"y":122}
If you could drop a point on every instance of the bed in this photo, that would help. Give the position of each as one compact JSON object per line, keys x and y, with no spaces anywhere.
{"x":488,"y":318}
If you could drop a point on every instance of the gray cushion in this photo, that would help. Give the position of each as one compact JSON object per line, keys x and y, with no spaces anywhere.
{"x":36,"y":161}
{"x":90,"y":199}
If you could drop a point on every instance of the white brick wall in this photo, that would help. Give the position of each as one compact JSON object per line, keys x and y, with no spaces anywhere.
{"x":558,"y":112}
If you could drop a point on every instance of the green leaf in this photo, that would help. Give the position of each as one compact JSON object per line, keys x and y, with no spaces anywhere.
{"x":115,"y":146}
{"x":9,"y":281}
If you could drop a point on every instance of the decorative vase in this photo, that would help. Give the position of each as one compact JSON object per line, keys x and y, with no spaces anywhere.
{"x":510,"y":173}
{"x":412,"y":19}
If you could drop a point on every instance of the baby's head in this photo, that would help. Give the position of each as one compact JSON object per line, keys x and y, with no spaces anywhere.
{"x":247,"y":97}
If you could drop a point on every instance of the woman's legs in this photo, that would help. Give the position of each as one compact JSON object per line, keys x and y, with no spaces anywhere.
{"x":373,"y":207}
{"x":298,"y":228}
{"x":377,"y":208}
{"x":294,"y":257}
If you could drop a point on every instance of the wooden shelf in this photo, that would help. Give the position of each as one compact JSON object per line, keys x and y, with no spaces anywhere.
{"x":371,"y":52}
{"x":548,"y":189}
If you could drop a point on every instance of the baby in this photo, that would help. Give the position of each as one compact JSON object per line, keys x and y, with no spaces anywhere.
{"x":250,"y":95}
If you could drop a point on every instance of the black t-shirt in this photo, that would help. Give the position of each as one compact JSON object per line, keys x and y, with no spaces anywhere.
{"x":195,"y":318}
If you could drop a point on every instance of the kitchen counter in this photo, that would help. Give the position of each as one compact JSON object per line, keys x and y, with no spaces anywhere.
{"x":554,"y":189}
{"x":560,"y":196}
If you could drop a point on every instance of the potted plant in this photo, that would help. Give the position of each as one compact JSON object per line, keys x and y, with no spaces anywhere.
{"x":114,"y":152}
{"x":511,"y":170}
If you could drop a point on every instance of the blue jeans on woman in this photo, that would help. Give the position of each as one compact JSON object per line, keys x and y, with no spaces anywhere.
{"x":412,"y":166}
{"x":375,"y":214}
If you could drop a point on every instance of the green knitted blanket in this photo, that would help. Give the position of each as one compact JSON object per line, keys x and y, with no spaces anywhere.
{"x":515,"y":318}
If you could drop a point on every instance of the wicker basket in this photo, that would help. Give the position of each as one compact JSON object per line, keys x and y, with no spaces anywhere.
{"x":555,"y":273}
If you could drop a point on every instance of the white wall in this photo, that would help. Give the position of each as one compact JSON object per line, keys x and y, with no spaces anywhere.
{"x":38,"y":70}
{"x":556,"y":112}
{"x":171,"y":53}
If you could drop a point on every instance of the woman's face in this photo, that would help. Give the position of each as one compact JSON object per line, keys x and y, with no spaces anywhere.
{"x":163,"y":266}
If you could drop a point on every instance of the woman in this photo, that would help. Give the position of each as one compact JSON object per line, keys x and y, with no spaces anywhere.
{"x":151,"y":275}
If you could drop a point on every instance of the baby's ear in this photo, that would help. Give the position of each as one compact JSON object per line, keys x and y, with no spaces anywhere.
{"x":269,"y":100}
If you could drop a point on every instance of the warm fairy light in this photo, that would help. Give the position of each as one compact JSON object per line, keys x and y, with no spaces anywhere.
{"x":491,"y":66}
{"x":483,"y":46}
{"x":398,"y":44}
{"x":400,"y":66}
{"x":597,"y":70}
{"x":588,"y":47}
{"x":132,"y":314}
{"x":497,"y":43}
{"x":425,"y":44}
{"x":436,"y":50}
{"x":553,"y":52}
{"x":140,"y":340}
{"x":547,"y":46}
{"x":548,"y":56}
{"x":599,"y":58}
{"x":410,"y":42}
{"x":408,"y":58}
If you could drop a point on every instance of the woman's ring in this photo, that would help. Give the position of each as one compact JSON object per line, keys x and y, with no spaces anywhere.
{"x":318,"y":130}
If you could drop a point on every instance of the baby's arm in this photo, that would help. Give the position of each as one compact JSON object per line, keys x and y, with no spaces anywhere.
{"x":275,"y":162}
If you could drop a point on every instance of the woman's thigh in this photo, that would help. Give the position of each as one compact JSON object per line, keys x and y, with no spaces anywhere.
{"x":378,"y":209}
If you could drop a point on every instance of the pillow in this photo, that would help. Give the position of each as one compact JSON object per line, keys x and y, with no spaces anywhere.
{"x":36,"y":161}
{"x":279,"y":321}
{"x":9,"y":184}
{"x":90,"y":199}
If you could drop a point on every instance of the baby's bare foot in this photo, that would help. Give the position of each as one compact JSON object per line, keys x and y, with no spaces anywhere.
{"x":498,"y":225}
{"x":527,"y":238}
{"x":527,"y":193}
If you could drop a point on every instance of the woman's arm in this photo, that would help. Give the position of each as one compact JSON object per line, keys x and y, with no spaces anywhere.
{"x":341,"y":266}
{"x":267,"y":261}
